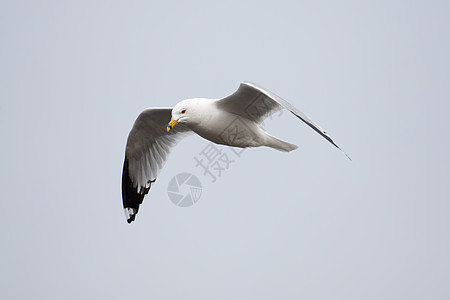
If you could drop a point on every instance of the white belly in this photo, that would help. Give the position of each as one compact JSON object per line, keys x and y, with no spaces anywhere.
{"x":233,"y":131}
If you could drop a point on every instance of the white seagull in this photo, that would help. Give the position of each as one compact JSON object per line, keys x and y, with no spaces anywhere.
{"x":232,"y":121}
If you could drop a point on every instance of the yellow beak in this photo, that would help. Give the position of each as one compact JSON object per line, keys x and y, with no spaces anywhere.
{"x":171,"y":124}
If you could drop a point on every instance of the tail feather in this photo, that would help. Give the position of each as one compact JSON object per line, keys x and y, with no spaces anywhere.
{"x":278,"y":144}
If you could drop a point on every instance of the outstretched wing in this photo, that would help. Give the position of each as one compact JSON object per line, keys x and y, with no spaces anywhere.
{"x":147,"y":149}
{"x":255,"y":103}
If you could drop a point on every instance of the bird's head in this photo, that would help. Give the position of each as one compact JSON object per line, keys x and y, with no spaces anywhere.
{"x":185,"y":112}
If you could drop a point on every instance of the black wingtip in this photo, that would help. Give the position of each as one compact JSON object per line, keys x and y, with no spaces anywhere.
{"x":131,"y":219}
{"x":131,"y":197}
{"x":347,"y":156}
{"x":342,"y":151}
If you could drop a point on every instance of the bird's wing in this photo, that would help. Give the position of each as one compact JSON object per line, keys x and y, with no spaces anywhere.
{"x":255,"y":103}
{"x":147,"y":149}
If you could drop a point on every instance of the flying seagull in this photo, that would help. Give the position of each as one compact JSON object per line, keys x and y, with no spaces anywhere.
{"x":232,"y":121}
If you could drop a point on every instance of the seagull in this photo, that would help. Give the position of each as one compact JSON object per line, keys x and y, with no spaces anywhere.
{"x":233,"y":121}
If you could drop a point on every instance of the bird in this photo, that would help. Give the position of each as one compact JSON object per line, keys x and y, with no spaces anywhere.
{"x":233,"y":121}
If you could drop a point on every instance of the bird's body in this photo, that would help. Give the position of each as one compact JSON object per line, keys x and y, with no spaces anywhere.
{"x":232,"y":121}
{"x":234,"y":130}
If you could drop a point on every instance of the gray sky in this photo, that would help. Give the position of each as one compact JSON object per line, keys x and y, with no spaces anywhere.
{"x":302,"y":225}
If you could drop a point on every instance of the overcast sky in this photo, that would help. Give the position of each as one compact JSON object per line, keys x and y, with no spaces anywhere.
{"x":308,"y":224}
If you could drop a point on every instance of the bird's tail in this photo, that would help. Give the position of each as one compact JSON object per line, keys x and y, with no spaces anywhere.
{"x":278,"y":144}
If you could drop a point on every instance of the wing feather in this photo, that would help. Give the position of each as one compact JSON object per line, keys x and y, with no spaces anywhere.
{"x":148,"y":147}
{"x":256,"y":104}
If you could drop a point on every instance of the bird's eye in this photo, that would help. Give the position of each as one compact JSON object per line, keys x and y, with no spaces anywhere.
{"x":183,"y":111}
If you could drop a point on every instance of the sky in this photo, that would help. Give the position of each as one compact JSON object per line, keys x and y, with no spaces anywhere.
{"x":308,"y":224}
